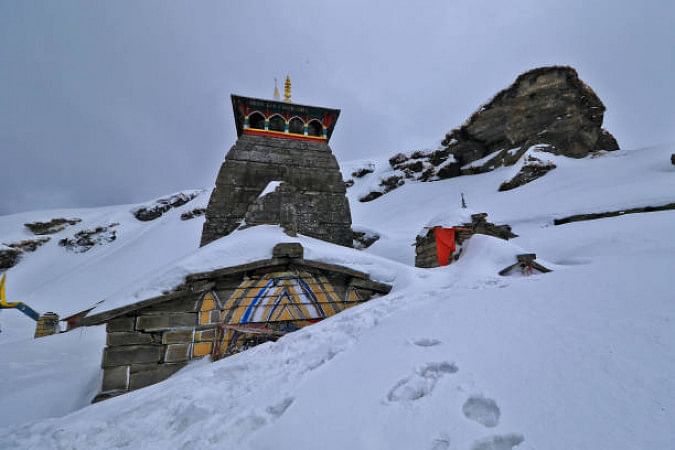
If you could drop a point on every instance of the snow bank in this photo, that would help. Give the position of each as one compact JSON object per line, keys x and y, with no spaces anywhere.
{"x":51,"y":376}
{"x":241,"y":247}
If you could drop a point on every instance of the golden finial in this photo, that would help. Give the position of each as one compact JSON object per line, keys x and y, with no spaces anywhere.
{"x":287,"y":89}
{"x":277,"y":96}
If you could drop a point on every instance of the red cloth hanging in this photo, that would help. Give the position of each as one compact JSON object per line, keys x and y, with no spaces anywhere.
{"x":445,"y":244}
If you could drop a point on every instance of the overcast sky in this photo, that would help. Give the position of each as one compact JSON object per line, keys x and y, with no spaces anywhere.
{"x":105,"y":102}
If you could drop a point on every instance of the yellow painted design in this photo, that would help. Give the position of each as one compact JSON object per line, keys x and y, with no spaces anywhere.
{"x":208,"y":303}
{"x":202,"y":335}
{"x":352,"y":296}
{"x":205,"y":317}
{"x":201,"y":348}
{"x":263,"y":308}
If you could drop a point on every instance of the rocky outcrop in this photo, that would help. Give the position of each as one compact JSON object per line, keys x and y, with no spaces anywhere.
{"x":159,"y":207}
{"x":51,"y":227}
{"x":296,"y":184}
{"x":197,"y":212}
{"x":420,"y":165}
{"x":9,"y":257}
{"x":29,"y":245}
{"x":548,"y":105}
{"x":10,"y":254}
{"x":362,"y":239}
{"x":85,"y":240}
{"x":548,"y":108}
{"x":363,"y":171}
{"x":531,"y":169}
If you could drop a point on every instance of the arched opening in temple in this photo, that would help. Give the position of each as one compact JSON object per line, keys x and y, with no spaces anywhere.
{"x":256,"y":121}
{"x":296,"y":125}
{"x":314,"y":128}
{"x":277,"y":123}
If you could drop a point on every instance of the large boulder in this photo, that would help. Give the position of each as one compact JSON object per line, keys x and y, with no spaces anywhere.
{"x":548,"y":105}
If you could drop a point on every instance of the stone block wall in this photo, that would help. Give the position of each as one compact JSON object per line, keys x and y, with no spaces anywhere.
{"x":149,"y":345}
{"x":222,"y":312}
{"x":311,"y":198}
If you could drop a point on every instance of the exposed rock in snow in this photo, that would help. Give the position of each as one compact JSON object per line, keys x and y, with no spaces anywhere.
{"x":84,"y":240}
{"x":29,"y":245}
{"x":362,"y":172}
{"x":606,"y":214}
{"x":51,"y":227}
{"x":9,"y":257}
{"x":10,"y":254}
{"x":532,"y":168}
{"x":364,"y":238}
{"x":419,"y":165}
{"x":160,"y":206}
{"x":187,"y":215}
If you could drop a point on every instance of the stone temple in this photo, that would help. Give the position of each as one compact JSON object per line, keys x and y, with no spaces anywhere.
{"x":280,"y":171}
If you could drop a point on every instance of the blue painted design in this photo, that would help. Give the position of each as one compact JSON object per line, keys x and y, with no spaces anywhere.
{"x":255,"y":301}
{"x":308,"y":291}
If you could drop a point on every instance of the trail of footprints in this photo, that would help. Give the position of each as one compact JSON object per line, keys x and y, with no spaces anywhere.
{"x":476,"y":408}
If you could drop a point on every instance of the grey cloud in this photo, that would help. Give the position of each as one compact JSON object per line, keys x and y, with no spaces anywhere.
{"x":117,"y":102}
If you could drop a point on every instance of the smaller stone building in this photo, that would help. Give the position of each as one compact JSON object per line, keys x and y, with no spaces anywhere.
{"x":440,"y":243}
{"x":222,"y":312}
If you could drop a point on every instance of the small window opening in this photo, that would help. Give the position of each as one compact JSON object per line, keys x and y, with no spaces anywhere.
{"x":277,"y":123}
{"x":256,"y":121}
{"x":314,"y":128}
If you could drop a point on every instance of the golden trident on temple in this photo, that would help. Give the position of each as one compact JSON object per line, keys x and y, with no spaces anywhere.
{"x":287,"y":89}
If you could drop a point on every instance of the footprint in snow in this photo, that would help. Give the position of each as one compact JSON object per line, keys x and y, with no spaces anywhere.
{"x":441,"y":443}
{"x":482,"y":410}
{"x":421,"y":383}
{"x":503,"y":442}
{"x":277,"y":410}
{"x":426,"y":342}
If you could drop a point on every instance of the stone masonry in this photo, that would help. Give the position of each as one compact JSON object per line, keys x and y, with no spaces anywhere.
{"x":150,"y":340}
{"x":425,"y":245}
{"x":310,"y":198}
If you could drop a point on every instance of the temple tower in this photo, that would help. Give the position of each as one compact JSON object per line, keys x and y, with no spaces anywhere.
{"x":280,"y":171}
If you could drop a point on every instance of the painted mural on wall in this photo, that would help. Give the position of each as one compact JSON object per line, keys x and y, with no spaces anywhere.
{"x":268,"y":307}
{"x":223,"y":312}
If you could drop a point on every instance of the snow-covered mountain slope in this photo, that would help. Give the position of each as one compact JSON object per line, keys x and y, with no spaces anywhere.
{"x":453,"y":358}
{"x":612,"y":181}
{"x":53,"y":278}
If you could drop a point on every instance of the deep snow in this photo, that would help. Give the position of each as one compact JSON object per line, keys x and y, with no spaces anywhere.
{"x":452,"y":358}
